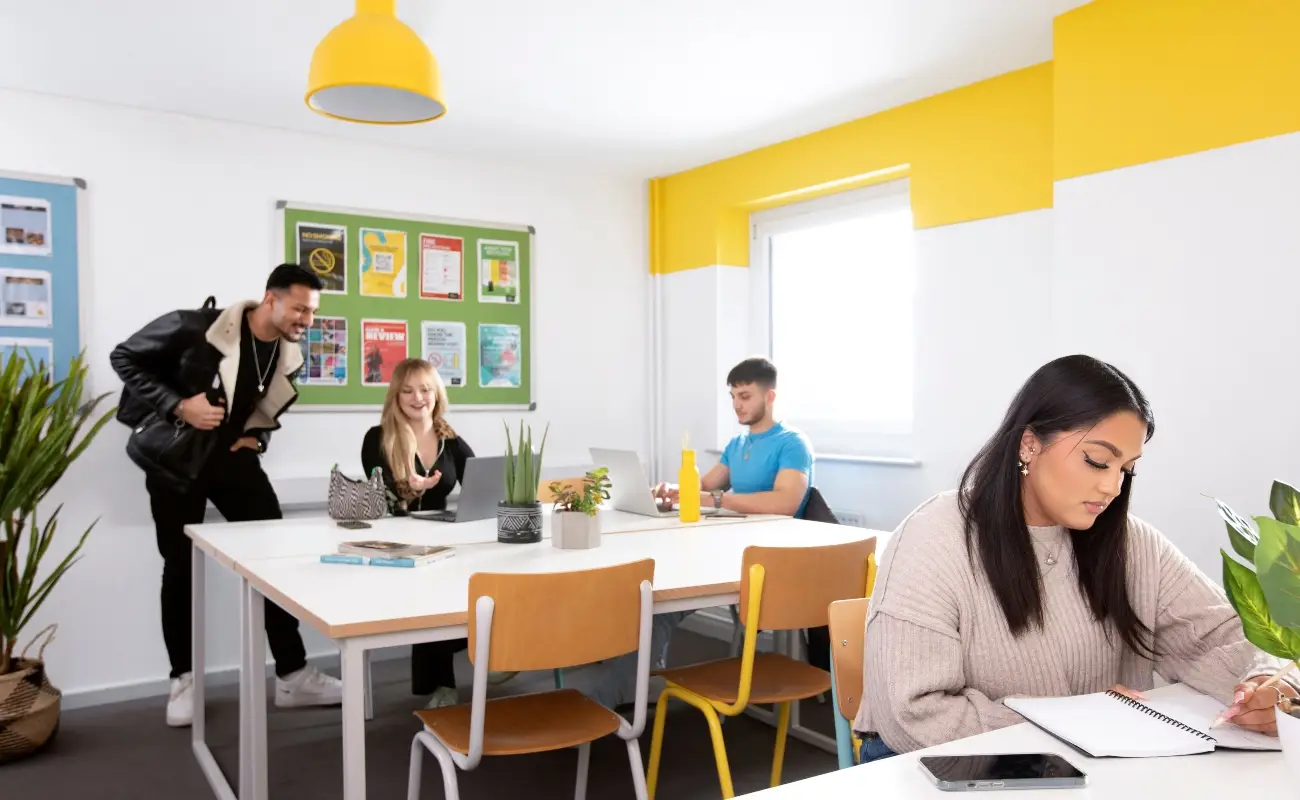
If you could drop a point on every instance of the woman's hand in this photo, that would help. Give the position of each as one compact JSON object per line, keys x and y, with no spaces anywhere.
{"x":419,"y":484}
{"x":665,"y":496}
{"x":1255,"y":708}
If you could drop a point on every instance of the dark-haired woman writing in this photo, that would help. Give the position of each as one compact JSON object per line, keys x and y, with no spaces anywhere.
{"x":1034,"y":581}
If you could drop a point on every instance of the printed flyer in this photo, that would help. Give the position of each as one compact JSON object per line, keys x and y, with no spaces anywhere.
{"x":383,"y":263}
{"x":499,"y":357}
{"x":25,"y":222}
{"x":324,"y":250}
{"x":442,"y":274}
{"x":383,"y":345}
{"x":444,"y":348}
{"x":34,"y":351}
{"x":26,"y":298}
{"x":325,"y":353}
{"x":498,"y":272}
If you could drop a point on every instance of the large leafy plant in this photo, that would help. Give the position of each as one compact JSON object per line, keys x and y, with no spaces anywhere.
{"x":586,"y":497}
{"x":523,"y":467}
{"x":1265,"y":590}
{"x":41,"y":434}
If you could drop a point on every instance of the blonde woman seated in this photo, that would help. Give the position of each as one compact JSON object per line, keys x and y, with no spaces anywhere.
{"x":422,"y":459}
{"x":1034,"y":581}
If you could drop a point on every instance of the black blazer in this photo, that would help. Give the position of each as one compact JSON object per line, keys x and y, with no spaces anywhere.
{"x":451,"y":463}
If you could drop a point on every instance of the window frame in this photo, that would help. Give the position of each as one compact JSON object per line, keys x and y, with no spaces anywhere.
{"x":832,"y":440}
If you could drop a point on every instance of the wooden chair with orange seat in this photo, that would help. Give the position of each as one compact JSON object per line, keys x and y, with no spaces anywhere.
{"x":542,"y":621}
{"x":546,"y":496}
{"x":781,"y":589}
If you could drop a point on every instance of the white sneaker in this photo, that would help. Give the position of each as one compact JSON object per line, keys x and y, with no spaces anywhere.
{"x":308,"y":687}
{"x":443,"y":696}
{"x":180,"y":703}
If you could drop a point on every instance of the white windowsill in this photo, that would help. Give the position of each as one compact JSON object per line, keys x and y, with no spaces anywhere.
{"x":880,"y":461}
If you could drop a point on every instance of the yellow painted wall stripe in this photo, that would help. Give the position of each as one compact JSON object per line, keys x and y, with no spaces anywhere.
{"x":1144,"y":80}
{"x":980,"y":151}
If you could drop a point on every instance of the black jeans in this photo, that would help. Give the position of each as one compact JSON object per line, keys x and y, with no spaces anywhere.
{"x":432,"y":667}
{"x":237,"y":486}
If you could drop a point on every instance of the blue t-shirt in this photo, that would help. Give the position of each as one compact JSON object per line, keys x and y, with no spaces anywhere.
{"x":754,"y":459}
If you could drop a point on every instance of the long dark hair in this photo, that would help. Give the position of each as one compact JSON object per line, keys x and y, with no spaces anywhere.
{"x":1068,"y":394}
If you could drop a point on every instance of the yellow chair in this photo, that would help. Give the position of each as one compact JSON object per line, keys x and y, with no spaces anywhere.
{"x":781,"y":588}
{"x":544,"y":621}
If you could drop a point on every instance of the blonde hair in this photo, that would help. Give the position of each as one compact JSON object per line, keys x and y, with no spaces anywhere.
{"x":396,"y":436}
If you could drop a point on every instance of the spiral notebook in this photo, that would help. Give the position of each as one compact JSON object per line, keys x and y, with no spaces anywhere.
{"x":1177,"y":723}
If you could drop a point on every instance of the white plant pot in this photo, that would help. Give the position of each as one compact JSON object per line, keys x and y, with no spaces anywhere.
{"x":1288,"y":731}
{"x":571,"y":530}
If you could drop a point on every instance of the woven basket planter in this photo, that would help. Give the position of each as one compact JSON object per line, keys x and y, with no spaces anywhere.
{"x":29,"y":710}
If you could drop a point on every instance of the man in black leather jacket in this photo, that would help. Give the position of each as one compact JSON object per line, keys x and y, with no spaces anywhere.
{"x":203,"y":389}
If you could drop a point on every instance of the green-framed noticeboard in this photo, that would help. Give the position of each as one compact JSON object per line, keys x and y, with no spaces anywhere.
{"x":455,"y":292}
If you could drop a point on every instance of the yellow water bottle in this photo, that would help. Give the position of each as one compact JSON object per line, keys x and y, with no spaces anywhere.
{"x":688,"y":488}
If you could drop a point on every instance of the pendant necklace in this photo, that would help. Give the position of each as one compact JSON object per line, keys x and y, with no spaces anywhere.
{"x":257,"y":363}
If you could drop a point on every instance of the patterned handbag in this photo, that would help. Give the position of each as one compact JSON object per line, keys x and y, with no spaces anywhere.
{"x":352,"y":499}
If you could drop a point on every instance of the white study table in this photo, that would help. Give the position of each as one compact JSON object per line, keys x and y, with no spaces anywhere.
{"x":696,"y":566}
{"x":1219,"y":775}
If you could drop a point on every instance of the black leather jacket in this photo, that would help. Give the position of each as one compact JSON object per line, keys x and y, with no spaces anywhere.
{"x":164,"y":362}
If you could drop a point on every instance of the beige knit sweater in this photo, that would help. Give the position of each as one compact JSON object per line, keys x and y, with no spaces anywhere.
{"x":939,"y":657}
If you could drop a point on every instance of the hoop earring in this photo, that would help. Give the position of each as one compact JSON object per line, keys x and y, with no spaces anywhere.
{"x":1024,"y":468}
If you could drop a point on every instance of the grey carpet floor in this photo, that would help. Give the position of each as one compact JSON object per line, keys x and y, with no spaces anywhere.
{"x":125,"y":751}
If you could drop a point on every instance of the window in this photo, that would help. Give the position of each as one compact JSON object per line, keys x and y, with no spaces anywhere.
{"x":834,"y":307}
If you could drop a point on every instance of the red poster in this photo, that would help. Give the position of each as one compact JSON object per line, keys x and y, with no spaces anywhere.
{"x":383,"y":345}
{"x":441,"y":267}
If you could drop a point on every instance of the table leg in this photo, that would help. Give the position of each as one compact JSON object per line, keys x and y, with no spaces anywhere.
{"x":370,"y":688}
{"x":354,"y":721}
{"x":256,"y":644}
{"x":198,"y":733}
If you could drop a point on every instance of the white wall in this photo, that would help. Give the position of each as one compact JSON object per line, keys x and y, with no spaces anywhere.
{"x":1185,"y":274}
{"x":181,"y":208}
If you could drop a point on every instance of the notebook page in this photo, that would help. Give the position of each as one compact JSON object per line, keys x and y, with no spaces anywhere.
{"x":1197,"y":711}
{"x":1102,"y":726}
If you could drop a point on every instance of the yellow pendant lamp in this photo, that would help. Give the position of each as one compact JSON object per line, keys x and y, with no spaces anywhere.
{"x":373,"y":68}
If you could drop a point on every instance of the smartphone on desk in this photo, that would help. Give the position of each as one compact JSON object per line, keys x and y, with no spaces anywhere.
{"x":353,"y":524}
{"x":1001,"y":772}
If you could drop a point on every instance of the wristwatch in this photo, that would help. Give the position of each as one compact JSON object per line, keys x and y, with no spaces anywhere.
{"x":717,"y":499}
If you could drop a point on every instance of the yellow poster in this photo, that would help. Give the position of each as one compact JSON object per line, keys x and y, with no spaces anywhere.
{"x":383,"y":263}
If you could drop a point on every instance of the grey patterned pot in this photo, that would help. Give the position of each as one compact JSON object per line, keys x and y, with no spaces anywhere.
{"x":519,"y":524}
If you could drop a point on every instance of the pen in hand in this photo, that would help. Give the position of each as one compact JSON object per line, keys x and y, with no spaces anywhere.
{"x":1240,"y":697}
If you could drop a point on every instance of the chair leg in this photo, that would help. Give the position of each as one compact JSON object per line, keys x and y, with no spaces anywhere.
{"x":843,"y":732}
{"x":719,"y":752}
{"x":425,"y":740}
{"x":656,"y":744}
{"x":638,"y":769}
{"x":559,"y":678}
{"x":584,"y":763}
{"x":782,"y":727}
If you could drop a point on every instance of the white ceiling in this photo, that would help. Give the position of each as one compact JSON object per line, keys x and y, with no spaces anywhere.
{"x":644,"y":88}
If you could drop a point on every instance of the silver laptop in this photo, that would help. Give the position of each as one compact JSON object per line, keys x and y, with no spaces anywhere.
{"x":481,"y":488}
{"x":630,"y":489}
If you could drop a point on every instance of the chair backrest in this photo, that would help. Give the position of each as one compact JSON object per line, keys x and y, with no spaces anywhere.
{"x":816,"y":509}
{"x":560,"y":619}
{"x":545,"y":495}
{"x":800,"y":582}
{"x":848,"y":623}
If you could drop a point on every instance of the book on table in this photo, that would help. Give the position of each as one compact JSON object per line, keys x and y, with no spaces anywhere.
{"x":1109,"y":724}
{"x":388,"y":554}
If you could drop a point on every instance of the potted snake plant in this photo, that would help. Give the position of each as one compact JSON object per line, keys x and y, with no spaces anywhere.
{"x":45,"y":425}
{"x":575,"y":523}
{"x":1263,"y":585}
{"x":519,"y":515}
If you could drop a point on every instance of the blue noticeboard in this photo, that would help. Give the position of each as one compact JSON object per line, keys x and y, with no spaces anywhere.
{"x":40,"y":269}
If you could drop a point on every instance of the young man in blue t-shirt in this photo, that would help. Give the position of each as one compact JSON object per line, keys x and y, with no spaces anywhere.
{"x":769,"y":469}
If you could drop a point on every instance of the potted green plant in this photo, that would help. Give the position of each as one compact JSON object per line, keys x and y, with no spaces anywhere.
{"x":519,"y":515}
{"x":43,"y":429}
{"x":575,"y":524}
{"x":1265,"y":590}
